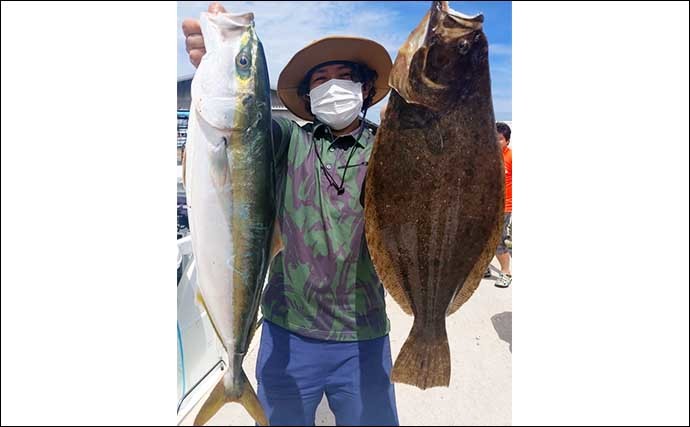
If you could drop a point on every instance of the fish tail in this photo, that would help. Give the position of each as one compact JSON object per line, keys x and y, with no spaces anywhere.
{"x":250,"y":401}
{"x":424,"y":360}
{"x":227,"y":391}
{"x":213,"y":403}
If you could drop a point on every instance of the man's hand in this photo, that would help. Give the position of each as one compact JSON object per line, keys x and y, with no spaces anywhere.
{"x":193,"y":38}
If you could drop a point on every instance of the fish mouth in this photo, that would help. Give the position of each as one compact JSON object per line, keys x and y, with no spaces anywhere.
{"x":448,"y":24}
{"x":449,"y":33}
{"x":432,"y":84}
{"x":441,"y":7}
{"x":438,"y":56}
{"x":230,"y":20}
{"x":470,"y":20}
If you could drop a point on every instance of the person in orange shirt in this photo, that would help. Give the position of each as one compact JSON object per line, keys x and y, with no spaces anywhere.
{"x":503,"y":252}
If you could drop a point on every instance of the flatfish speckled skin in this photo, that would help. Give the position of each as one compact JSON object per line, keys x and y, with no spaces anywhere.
{"x":435,"y":185}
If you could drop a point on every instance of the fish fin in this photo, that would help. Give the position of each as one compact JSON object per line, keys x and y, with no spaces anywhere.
{"x":471,"y":282}
{"x":399,"y":295}
{"x":376,"y":236}
{"x":276,"y":241}
{"x":220,"y":395}
{"x":424,"y":359}
{"x":477,"y":274}
{"x":219,"y":162}
{"x":389,"y":276}
{"x":199,"y":299}
{"x":251,"y":403}
{"x":468,"y":287}
{"x":213,"y":403}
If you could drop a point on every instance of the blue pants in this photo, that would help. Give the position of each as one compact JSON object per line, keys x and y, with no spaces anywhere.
{"x":293,"y":373}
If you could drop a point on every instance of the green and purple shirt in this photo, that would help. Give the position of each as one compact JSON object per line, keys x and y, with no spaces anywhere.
{"x":323,"y":284}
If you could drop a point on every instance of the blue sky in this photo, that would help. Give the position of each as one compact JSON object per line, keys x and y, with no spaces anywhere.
{"x":286,"y":27}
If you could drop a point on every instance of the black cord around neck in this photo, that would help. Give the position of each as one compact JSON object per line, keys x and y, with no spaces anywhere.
{"x":339,"y":188}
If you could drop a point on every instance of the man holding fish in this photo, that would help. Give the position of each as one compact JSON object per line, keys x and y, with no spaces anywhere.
{"x":271,"y":191}
{"x":325,"y":327}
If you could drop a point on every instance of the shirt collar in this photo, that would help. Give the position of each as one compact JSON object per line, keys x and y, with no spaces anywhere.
{"x":321,"y":131}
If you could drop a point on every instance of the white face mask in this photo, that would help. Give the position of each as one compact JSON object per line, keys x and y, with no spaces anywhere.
{"x":337,"y":103}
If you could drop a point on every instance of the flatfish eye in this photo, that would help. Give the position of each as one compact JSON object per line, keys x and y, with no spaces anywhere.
{"x":464,"y":47}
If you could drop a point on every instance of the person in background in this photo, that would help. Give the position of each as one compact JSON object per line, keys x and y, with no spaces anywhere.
{"x":505,"y":252}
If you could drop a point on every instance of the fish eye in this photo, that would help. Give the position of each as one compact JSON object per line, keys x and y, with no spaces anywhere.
{"x":242,"y":60}
{"x":464,"y":47}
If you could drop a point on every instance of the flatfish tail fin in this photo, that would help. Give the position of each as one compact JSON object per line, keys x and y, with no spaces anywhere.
{"x":424,"y":360}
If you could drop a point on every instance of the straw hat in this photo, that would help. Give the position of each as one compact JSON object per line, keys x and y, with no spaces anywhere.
{"x":332,"y":48}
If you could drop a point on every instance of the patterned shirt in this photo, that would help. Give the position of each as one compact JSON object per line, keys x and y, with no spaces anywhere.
{"x":323,"y":284}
